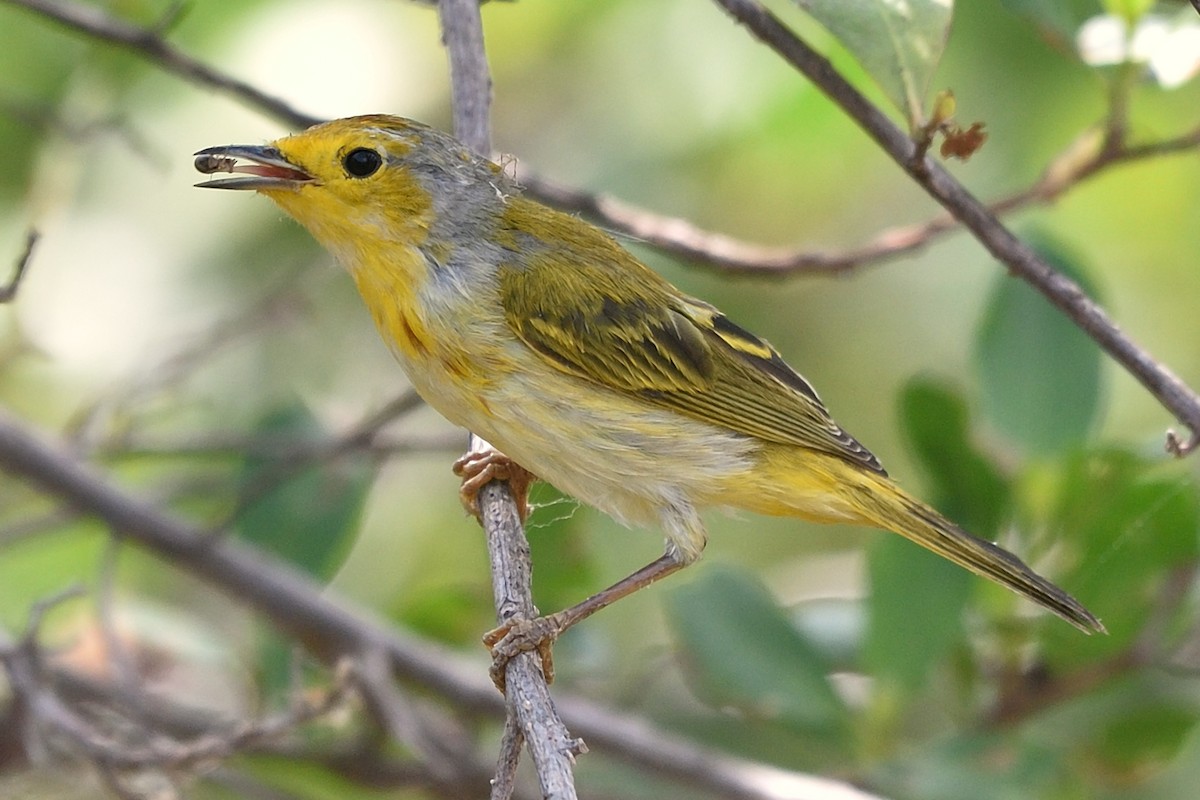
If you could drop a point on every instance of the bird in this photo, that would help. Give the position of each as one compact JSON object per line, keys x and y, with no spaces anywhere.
{"x":539,"y":332}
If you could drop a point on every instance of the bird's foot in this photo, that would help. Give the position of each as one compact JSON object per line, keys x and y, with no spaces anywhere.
{"x":520,"y":635}
{"x":477,"y":469}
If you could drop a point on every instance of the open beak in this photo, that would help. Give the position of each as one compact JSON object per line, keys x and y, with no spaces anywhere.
{"x":268,"y":169}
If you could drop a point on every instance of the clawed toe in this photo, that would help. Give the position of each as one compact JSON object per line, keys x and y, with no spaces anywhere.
{"x":520,"y":635}
{"x":478,"y":469}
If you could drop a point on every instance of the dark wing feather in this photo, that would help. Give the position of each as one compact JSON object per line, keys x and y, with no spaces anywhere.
{"x":614,"y":321}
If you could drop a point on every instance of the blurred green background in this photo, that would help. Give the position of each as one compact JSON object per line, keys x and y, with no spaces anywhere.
{"x":158,"y":322}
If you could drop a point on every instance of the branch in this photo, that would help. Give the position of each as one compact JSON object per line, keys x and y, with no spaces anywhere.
{"x":8,"y":291}
{"x":1021,"y":259}
{"x":368,"y":762}
{"x":1082,"y":159}
{"x":47,"y":716}
{"x":532,"y":717}
{"x":243,"y":445}
{"x":303,"y":610}
{"x":149,"y":43}
{"x":470,"y":79}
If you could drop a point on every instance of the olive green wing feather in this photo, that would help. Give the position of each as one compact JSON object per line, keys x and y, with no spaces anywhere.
{"x":615,"y":322}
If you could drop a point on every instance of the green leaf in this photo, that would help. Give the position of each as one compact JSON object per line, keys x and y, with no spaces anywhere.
{"x":968,"y":487}
{"x":917,"y":597}
{"x":978,"y":765}
{"x":306,"y":514}
{"x":743,"y":652}
{"x":1121,"y":529}
{"x":1148,"y":735}
{"x":1178,"y":779}
{"x":898,"y":43}
{"x":1060,"y":20}
{"x":914,"y":612}
{"x":304,"y":510}
{"x":1039,"y":373}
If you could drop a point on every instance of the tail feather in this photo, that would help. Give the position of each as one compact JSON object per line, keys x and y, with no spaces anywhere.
{"x":897,"y":511}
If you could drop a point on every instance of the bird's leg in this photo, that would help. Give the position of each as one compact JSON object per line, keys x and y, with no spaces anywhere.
{"x":477,"y":469}
{"x":522,"y":635}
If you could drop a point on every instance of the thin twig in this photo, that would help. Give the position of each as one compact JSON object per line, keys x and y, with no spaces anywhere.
{"x":504,"y":783}
{"x":263,"y":311}
{"x":444,"y":748}
{"x":35,"y":526}
{"x":358,"y":438}
{"x":95,"y":22}
{"x":368,"y":762}
{"x":9,"y":290}
{"x":117,"y":653}
{"x":1018,"y":256}
{"x":551,"y":746}
{"x":1081,"y":160}
{"x":50,"y":712}
{"x":243,"y":445}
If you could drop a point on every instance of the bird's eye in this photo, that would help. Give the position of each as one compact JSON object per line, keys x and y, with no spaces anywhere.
{"x":362,"y":162}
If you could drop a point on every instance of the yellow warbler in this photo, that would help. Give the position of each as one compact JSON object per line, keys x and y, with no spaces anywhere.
{"x":537,"y":331}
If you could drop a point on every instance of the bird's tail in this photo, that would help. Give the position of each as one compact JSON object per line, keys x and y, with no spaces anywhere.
{"x":887,"y":506}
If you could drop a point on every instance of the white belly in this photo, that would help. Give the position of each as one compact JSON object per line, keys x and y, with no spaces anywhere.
{"x":639,"y":464}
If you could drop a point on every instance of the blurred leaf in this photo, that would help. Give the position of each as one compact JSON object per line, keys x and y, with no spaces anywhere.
{"x":914,"y":611}
{"x":1060,"y":19}
{"x":1123,"y":531}
{"x":1039,"y":373}
{"x":1143,"y":737}
{"x":306,"y":515}
{"x":967,"y":486}
{"x":917,"y":597}
{"x":302,"y":779}
{"x":1178,"y":780}
{"x":39,"y":567}
{"x":899,"y":44}
{"x":743,"y":652}
{"x":979,"y":766}
{"x":450,"y":612}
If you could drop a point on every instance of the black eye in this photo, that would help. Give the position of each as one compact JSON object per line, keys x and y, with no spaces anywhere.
{"x":362,"y":162}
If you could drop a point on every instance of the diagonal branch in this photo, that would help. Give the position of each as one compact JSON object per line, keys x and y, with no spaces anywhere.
{"x":1087,"y":156}
{"x":148,"y":42}
{"x":8,"y":291}
{"x":1019,"y":257}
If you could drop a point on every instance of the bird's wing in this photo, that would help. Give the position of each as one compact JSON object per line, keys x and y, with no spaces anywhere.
{"x":621,"y":325}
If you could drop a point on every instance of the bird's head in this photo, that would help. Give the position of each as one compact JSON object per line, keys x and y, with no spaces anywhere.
{"x":371,"y":178}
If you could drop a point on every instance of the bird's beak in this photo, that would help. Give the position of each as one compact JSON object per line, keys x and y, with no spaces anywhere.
{"x":268,"y":169}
